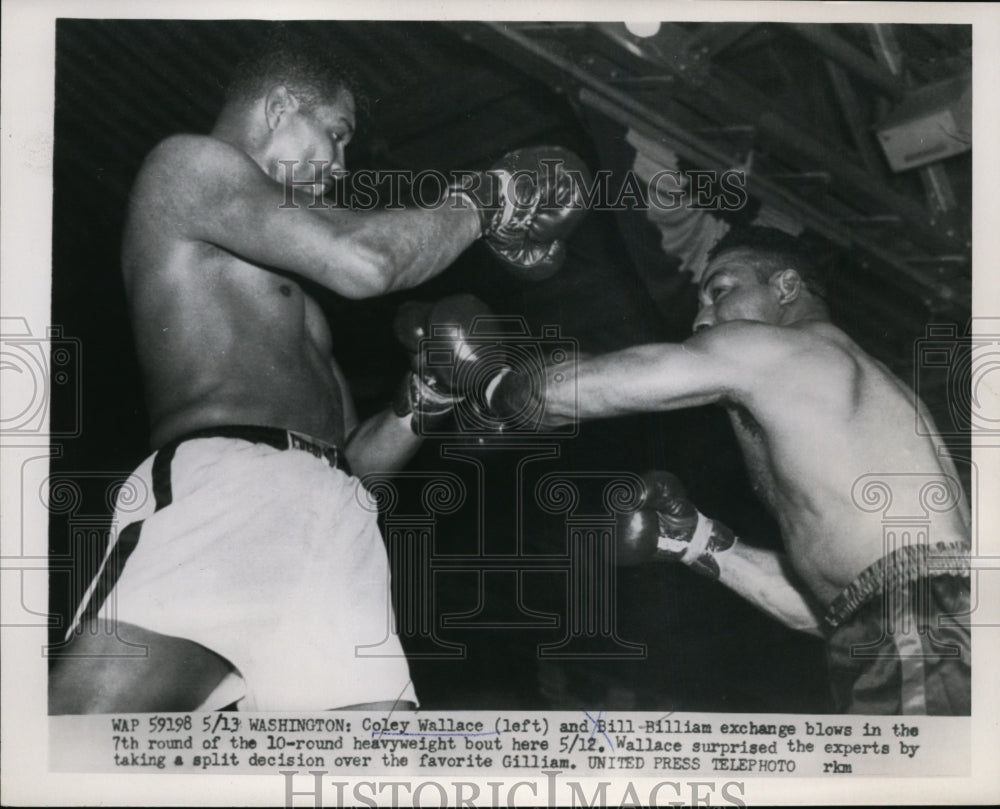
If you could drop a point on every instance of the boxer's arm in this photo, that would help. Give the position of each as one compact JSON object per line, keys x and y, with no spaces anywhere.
{"x":206,"y":190}
{"x":383,"y":443}
{"x":765,"y":579}
{"x":710,"y":548}
{"x":723,"y":363}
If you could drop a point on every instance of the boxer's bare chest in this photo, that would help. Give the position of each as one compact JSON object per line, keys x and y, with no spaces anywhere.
{"x":255,"y":347}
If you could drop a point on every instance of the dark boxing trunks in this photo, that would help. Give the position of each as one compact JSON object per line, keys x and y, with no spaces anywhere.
{"x":899,"y":635}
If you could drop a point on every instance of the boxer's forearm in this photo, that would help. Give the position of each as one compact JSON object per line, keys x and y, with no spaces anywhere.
{"x":640,"y":379}
{"x":406,"y":247}
{"x":764,"y":579}
{"x":383,"y":443}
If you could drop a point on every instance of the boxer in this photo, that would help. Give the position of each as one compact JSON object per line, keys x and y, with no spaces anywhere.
{"x":252,"y":573}
{"x":815,"y":416}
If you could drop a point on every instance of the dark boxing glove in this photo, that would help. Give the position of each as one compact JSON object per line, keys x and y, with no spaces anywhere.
{"x":511,"y":396}
{"x":443,"y":359}
{"x":452,"y":365}
{"x":528,"y":205}
{"x":666,"y":525}
{"x":429,"y":407}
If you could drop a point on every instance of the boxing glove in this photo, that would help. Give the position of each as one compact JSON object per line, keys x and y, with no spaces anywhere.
{"x":529,"y":203}
{"x":444,"y":360}
{"x":665,"y":525}
{"x":409,"y":326}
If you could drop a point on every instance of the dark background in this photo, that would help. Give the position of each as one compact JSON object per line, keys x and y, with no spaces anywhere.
{"x":458,"y":96}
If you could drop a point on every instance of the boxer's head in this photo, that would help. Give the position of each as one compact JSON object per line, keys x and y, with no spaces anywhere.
{"x":293,"y":109}
{"x":760,"y":274}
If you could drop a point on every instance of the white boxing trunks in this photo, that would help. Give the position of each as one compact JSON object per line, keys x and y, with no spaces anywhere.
{"x":265,"y":556}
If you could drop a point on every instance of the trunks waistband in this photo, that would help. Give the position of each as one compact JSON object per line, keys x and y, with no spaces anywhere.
{"x":896,"y":570}
{"x":272,"y":436}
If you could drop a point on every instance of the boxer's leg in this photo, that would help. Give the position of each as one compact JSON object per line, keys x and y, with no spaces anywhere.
{"x":93,"y":677}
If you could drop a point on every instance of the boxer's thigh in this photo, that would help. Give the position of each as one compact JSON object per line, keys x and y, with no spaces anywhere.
{"x":92,"y":675}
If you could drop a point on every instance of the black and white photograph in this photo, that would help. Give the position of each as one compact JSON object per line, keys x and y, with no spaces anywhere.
{"x":585,"y":406}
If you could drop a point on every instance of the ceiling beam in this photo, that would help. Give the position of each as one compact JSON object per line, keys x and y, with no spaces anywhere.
{"x":853,"y":60}
{"x":562,"y":71}
{"x":776,"y":124}
{"x":630,"y":114}
{"x":937,"y":186}
{"x":850,"y":107}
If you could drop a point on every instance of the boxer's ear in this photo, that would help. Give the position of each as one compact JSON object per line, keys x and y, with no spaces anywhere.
{"x":278,"y":103}
{"x":787,"y":285}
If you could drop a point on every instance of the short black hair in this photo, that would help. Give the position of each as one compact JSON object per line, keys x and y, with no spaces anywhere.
{"x":308,"y":67}
{"x":778,"y":250}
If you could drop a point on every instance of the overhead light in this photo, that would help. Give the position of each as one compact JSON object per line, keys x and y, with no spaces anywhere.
{"x":643,"y":29}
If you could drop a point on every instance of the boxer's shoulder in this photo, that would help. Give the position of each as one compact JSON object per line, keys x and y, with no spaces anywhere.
{"x":739,"y":338}
{"x":190,"y":161}
{"x":756,"y":352}
{"x":794,"y":337}
{"x":182,"y":181}
{"x":192,"y":150}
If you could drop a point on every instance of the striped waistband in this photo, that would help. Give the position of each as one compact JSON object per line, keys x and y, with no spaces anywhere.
{"x":897,"y":570}
{"x":272,"y":436}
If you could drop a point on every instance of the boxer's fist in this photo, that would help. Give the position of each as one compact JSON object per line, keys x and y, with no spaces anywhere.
{"x":636,"y":535}
{"x":665,"y":525}
{"x":528,"y":205}
{"x":451,"y":356}
{"x":428,"y":407}
{"x":410,"y":325}
{"x":662,"y":510}
{"x":419,"y":396}
{"x":677,"y":518}
{"x":445,"y":361}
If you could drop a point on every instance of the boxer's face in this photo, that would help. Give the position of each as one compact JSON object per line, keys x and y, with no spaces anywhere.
{"x":731,"y":289}
{"x":311,"y":138}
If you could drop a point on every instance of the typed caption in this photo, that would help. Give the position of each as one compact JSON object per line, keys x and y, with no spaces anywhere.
{"x":586,"y":743}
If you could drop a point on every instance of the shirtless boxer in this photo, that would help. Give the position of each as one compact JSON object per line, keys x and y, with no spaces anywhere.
{"x":254,"y":573}
{"x":813,"y":414}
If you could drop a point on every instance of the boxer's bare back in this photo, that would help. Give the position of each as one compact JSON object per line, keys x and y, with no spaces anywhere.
{"x":811,"y":425}
{"x":812,"y":412}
